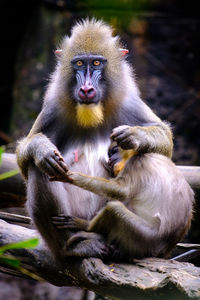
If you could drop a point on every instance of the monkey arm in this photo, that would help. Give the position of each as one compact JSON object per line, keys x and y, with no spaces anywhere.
{"x":155,"y":138}
{"x":110,"y":189}
{"x":142,"y":130}
{"x":37,"y":148}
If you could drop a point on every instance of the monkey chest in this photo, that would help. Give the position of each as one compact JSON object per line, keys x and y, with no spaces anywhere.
{"x":86,"y":159}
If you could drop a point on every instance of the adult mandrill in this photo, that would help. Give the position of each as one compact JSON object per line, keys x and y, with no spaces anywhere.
{"x":91,"y":93}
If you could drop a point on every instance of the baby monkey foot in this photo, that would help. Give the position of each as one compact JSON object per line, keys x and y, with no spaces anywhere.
{"x":68,"y":222}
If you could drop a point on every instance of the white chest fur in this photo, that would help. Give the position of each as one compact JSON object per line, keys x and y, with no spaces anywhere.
{"x":90,"y":156}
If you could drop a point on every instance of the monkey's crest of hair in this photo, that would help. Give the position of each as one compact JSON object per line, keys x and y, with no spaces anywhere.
{"x":92,"y":36}
{"x":96,"y":37}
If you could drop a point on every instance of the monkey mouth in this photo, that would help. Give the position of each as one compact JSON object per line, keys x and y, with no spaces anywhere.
{"x":88,"y":100}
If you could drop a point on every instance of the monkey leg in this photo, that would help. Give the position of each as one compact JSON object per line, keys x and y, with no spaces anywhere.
{"x":82,"y":243}
{"x":45,"y":200}
{"x":87,"y":244}
{"x":115,"y":232}
{"x":134,"y":235}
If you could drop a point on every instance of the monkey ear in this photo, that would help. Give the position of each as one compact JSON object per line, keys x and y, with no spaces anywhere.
{"x":124,"y":51}
{"x":58,"y":52}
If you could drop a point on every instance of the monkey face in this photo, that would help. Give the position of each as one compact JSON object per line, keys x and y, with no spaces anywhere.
{"x":89,"y":85}
{"x":89,"y":88}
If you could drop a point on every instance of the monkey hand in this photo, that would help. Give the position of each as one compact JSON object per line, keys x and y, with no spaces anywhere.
{"x":50,"y":161}
{"x":65,"y":176}
{"x":114,"y":157}
{"x":128,"y":137}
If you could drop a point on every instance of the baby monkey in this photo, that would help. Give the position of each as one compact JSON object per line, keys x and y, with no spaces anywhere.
{"x":136,"y":221}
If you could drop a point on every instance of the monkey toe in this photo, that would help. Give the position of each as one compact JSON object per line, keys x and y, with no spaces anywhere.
{"x":80,"y":236}
{"x":80,"y":245}
{"x":69,"y":222}
{"x":64,"y":222}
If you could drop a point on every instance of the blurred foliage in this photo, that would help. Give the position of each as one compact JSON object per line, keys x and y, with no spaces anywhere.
{"x":9,"y":173}
{"x":16,"y":263}
{"x":32,"y":243}
{"x":120,"y":10}
{"x":1,"y":153}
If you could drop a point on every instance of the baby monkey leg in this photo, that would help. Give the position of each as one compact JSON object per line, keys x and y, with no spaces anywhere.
{"x":114,"y":232}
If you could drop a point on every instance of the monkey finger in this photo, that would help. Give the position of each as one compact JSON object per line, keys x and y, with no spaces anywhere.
{"x":60,"y":162}
{"x":58,"y":222}
{"x":61,"y":220}
{"x":72,"y":227}
{"x":129,"y":143}
{"x":58,"y":178}
{"x":47,"y":168}
{"x":57,"y":153}
{"x":123,"y":135}
{"x":119,"y":130}
{"x":115,"y":156}
{"x":59,"y":217}
{"x":57,"y":166}
{"x":113,"y":160}
{"x":113,"y":150}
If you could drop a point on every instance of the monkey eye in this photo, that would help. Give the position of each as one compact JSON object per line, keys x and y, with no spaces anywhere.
{"x":96,"y":63}
{"x":79,"y":63}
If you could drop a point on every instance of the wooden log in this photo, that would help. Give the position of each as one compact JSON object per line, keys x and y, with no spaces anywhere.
{"x":143,"y":279}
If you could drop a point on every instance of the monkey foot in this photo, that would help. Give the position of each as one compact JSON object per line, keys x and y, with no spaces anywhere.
{"x":68,"y":222}
{"x":87,"y":244}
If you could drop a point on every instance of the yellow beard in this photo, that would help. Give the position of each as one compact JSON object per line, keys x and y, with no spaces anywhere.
{"x":89,"y":115}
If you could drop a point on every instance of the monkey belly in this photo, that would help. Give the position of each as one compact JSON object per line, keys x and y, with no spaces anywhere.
{"x":85,"y":204}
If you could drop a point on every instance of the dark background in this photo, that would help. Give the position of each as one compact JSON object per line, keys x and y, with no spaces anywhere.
{"x":163,"y":37}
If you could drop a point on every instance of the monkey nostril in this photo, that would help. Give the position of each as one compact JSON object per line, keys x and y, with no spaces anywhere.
{"x":82,"y":93}
{"x":86,"y":92}
{"x":91,"y":93}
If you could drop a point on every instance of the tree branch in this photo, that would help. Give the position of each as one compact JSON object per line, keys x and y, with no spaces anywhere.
{"x":144,"y":279}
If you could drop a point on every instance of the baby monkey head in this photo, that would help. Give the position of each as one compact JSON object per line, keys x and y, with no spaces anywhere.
{"x":118,"y":158}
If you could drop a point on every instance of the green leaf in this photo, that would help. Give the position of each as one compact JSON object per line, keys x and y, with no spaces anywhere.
{"x":10,"y":261}
{"x":32,"y":243}
{"x":9,"y":174}
{"x":1,"y":152}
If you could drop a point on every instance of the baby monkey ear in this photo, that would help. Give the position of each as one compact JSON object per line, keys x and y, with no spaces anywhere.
{"x":124,"y":51}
